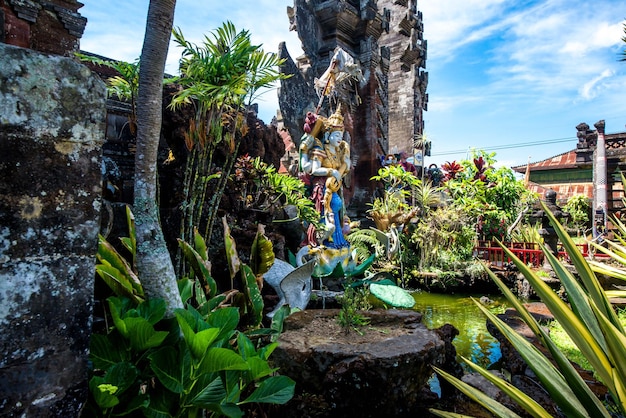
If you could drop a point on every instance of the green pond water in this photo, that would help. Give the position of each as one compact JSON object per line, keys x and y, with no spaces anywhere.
{"x":474,"y":341}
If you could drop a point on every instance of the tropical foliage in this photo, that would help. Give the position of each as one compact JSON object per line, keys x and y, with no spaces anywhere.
{"x":219,"y":78}
{"x":209,"y":358}
{"x":590,"y":321}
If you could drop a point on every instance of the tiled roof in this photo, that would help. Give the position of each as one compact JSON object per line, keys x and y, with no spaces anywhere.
{"x":564,"y":160}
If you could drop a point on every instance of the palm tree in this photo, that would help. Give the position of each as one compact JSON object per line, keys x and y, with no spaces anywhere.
{"x":154,"y":264}
{"x":220,"y":78}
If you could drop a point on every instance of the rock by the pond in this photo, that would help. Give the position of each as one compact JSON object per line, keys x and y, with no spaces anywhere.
{"x":379,"y":370}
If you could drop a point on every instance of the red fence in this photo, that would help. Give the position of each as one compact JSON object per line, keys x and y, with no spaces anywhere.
{"x":528,"y":252}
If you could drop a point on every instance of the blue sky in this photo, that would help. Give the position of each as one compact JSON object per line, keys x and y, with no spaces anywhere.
{"x":510,"y":76}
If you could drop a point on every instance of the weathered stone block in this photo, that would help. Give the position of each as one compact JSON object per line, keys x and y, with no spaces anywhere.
{"x":52,"y":113}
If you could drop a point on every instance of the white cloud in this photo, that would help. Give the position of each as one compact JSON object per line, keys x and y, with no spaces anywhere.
{"x":591,"y":89}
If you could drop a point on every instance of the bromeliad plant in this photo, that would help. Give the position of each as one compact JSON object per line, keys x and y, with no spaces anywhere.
{"x":591,"y":323}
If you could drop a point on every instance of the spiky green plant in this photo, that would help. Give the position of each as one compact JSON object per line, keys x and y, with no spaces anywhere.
{"x":591,"y":323}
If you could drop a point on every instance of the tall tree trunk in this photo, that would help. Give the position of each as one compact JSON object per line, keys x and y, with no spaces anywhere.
{"x":154,"y":264}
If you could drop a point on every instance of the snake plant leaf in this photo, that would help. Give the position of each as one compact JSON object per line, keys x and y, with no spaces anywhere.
{"x":393,"y":295}
{"x":492,"y":405}
{"x":526,"y":402}
{"x":262,"y":253}
{"x":234,"y":264}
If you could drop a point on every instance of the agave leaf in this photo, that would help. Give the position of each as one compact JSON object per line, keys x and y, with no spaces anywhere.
{"x":603,"y":268}
{"x":616,"y":342}
{"x":523,"y":400}
{"x":551,"y":378}
{"x":578,"y":385}
{"x":616,"y":293}
{"x":578,"y":298}
{"x":615,"y":255}
{"x":582,"y":268}
{"x":491,"y":404}
{"x":445,"y":414}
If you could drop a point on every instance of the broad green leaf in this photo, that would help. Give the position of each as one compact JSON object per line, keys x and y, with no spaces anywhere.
{"x":226,"y":319}
{"x":199,"y":266}
{"x":103,"y":353}
{"x":199,"y":245}
{"x":103,"y":393}
{"x":185,"y":288}
{"x":259,"y":368}
{"x":115,"y":306}
{"x":616,"y":342}
{"x":245,"y":346}
{"x":218,"y":359}
{"x":142,"y":334}
{"x":211,"y":395}
{"x":393,"y":295}
{"x":122,"y":375}
{"x":171,"y":368}
{"x":360,"y":269}
{"x":153,"y":310}
{"x":275,"y":390}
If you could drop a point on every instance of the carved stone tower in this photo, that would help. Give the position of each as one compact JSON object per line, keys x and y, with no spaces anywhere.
{"x":407,"y":78}
{"x":385,"y":38}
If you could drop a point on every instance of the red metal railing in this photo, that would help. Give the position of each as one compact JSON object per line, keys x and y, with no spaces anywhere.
{"x":528,"y":252}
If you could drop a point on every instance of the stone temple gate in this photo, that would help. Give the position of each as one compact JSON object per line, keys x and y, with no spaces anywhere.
{"x":386,"y":111}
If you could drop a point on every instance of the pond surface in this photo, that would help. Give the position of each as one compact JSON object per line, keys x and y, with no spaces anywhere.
{"x":474,"y":341}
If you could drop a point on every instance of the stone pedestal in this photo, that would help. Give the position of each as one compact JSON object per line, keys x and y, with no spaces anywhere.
{"x":52,"y":113}
{"x":377,"y":370}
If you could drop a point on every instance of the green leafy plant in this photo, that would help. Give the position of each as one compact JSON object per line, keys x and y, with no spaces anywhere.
{"x":208,"y":359}
{"x":591,"y":323}
{"x":578,"y":208}
{"x":124,"y":86}
{"x":352,"y":302}
{"x":165,"y":368}
{"x":117,"y":271}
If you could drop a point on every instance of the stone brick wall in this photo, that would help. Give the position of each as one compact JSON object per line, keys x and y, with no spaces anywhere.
{"x":52,"y":113}
{"x":49,"y":26}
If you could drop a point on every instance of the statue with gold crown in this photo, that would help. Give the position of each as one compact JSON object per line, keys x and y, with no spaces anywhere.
{"x":325,"y":162}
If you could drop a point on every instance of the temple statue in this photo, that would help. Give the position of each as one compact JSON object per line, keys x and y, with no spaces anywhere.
{"x":324,"y":162}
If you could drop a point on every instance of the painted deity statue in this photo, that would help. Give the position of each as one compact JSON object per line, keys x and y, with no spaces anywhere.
{"x":325,"y":161}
